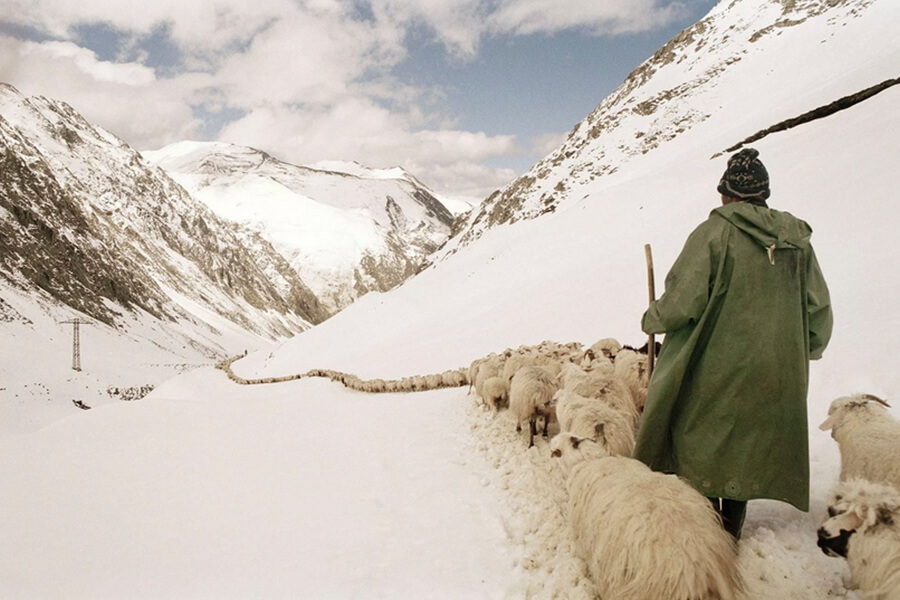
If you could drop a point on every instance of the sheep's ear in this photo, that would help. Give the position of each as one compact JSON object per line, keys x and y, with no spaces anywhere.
{"x":829,"y":423}
{"x":600,"y":433}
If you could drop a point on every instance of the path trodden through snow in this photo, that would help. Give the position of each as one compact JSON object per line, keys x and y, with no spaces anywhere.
{"x":206,"y":489}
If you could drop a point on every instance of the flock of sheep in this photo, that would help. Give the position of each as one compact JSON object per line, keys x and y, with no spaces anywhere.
{"x":648,"y":535}
{"x":642,"y":534}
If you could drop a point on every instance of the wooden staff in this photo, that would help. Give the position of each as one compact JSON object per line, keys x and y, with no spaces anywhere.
{"x":651,"y":286}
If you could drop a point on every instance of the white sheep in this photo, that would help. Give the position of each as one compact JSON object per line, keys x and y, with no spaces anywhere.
{"x":490,"y":366}
{"x":531,"y":397}
{"x":454,"y":378}
{"x":864,"y":527}
{"x":601,"y":383}
{"x":644,"y":535}
{"x":592,"y":418}
{"x":519,"y":359}
{"x":495,"y":393}
{"x":607,"y":347}
{"x":632,"y":367}
{"x":869,"y":438}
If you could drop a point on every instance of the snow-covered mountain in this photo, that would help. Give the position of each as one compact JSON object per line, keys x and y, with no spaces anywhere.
{"x":717,"y":72}
{"x":223,"y":507}
{"x":89,"y":229}
{"x":629,"y":176}
{"x":88,"y":221}
{"x":346,"y":231}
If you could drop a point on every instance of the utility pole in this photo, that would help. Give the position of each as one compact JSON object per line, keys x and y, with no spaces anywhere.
{"x":76,"y":340}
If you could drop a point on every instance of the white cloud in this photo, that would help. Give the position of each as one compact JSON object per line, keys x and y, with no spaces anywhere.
{"x":450,"y":161}
{"x":126,"y":99}
{"x":303,"y":58}
{"x":601,"y":17}
{"x":459,"y":25}
{"x":312,"y":78}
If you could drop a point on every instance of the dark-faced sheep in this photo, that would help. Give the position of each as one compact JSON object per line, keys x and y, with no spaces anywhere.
{"x":864,"y":527}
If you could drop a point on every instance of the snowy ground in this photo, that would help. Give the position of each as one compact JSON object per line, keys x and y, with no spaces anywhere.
{"x":207,"y":489}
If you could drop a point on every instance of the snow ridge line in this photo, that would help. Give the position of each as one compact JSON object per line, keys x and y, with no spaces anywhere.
{"x":418,"y":383}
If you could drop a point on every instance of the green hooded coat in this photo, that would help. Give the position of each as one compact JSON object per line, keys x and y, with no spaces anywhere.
{"x":744,"y":310}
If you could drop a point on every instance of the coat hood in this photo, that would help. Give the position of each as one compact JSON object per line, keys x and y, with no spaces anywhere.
{"x":766,"y":225}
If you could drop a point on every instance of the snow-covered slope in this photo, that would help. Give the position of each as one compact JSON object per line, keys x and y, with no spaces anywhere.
{"x":206,"y":489}
{"x":86,"y":219}
{"x":747,"y":65}
{"x":346,"y":232}
{"x":578,"y":273}
{"x":88,"y":229}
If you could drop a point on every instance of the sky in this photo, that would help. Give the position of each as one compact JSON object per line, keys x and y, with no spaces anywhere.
{"x":466,"y":95}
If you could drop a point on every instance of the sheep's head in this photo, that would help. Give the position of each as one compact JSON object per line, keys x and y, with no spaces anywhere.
{"x":858,"y":506}
{"x":609,"y":347}
{"x":571,"y":450}
{"x":847,"y":405}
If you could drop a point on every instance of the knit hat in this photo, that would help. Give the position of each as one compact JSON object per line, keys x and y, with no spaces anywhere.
{"x":745,"y":178}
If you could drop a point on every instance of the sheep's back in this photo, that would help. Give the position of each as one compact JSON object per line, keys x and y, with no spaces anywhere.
{"x":870,"y":450}
{"x":648,"y":535}
{"x":874,"y":560}
{"x":530,"y":387}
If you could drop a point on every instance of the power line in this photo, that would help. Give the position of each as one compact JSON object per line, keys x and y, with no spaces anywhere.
{"x":76,"y":340}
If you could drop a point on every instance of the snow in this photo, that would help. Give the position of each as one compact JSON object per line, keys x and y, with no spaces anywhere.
{"x":248,"y":506}
{"x":206,"y":489}
{"x":326,"y":223}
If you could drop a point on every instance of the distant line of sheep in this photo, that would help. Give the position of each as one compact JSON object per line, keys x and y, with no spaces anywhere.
{"x":419,"y":383}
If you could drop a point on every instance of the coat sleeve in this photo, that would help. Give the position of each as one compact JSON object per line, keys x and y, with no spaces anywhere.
{"x":687,"y":286}
{"x":821,"y":320}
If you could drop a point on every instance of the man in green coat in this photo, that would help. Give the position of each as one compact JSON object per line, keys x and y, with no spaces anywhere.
{"x":744,"y":310}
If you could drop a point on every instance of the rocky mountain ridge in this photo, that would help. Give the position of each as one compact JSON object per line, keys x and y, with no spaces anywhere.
{"x":664,"y":98}
{"x":345,"y":233}
{"x":86,"y":220}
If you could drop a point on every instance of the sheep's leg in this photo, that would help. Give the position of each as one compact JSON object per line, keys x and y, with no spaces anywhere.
{"x":533,"y":430}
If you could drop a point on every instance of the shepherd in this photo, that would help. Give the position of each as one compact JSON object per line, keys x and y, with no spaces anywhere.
{"x":745,"y":309}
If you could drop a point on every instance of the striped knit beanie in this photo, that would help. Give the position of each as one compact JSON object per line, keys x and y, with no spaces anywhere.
{"x":745,"y":178}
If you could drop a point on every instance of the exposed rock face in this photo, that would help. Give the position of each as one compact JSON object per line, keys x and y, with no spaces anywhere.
{"x":86,"y":220}
{"x":345,"y":233}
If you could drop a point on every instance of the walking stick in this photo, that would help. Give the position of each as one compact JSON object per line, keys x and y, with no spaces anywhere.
{"x":651,"y":286}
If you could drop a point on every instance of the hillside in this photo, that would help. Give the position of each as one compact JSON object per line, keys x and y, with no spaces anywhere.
{"x":344,"y":233}
{"x":578,"y":273}
{"x":307,"y":489}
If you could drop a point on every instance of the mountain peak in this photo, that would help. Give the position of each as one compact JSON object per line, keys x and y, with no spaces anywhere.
{"x":348,"y":228}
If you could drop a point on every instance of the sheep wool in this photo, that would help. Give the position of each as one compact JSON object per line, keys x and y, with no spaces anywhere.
{"x":495,"y":393}
{"x":868,"y":438}
{"x":871,"y":512}
{"x":531,"y":396}
{"x":643,"y":534}
{"x":632,"y":368}
{"x":594,"y":419}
